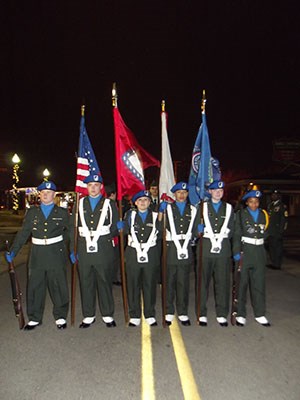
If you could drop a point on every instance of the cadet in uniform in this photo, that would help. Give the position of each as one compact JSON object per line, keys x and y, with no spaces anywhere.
{"x":46,"y":224}
{"x":248,"y":239}
{"x":217,"y":231}
{"x":180,"y":218}
{"x":97,"y":225}
{"x":142,"y":258}
{"x":153,"y":189}
{"x":278,"y":215}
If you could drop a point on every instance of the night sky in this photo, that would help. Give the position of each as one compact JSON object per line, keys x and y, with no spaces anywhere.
{"x":245,"y":54}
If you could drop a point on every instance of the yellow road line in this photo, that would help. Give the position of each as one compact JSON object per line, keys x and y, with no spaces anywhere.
{"x":189,"y":387}
{"x":148,"y":388}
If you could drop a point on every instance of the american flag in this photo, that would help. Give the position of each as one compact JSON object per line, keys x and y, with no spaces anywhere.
{"x":86,"y":160}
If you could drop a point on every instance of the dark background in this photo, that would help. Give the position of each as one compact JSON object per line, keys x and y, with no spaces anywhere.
{"x":245,"y":54}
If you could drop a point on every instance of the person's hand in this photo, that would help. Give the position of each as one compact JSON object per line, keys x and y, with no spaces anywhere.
{"x":163,"y":205}
{"x":200,"y":228}
{"x":120,"y":225}
{"x":73,"y":258}
{"x":237,"y":257}
{"x":9,"y":256}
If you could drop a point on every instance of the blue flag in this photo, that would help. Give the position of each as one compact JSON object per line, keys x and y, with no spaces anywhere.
{"x":204,"y":168}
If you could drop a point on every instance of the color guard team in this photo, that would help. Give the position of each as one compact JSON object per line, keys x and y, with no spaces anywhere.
{"x":227,"y":239}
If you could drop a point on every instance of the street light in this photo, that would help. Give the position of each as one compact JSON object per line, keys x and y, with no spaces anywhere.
{"x":46,"y":174}
{"x":16,"y":160}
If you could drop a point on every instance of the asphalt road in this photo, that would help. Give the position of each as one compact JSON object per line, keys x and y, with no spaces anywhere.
{"x":179,"y":362}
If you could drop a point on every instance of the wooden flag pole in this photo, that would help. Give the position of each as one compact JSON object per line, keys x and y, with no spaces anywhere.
{"x":74,"y":269}
{"x":122,"y":255}
{"x":164,"y":257}
{"x":200,"y":258}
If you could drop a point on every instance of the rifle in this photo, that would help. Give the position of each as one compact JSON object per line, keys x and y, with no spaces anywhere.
{"x":16,"y":291}
{"x":236,"y":277}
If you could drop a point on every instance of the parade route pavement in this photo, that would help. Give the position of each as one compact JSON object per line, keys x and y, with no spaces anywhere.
{"x":210,"y":363}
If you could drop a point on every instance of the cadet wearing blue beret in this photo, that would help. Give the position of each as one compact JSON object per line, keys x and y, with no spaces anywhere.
{"x":180,"y":219}
{"x":142,"y":258}
{"x":249,"y":234}
{"x":217,"y":231}
{"x":46,"y":224}
{"x":97,"y":226}
{"x":93,"y":178}
{"x":47,"y":185}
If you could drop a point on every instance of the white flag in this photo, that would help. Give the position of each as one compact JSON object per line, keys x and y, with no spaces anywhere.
{"x":166,"y":179}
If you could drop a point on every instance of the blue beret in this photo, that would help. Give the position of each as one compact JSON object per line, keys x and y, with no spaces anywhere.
{"x":180,"y":186}
{"x":217,"y":185}
{"x":252,"y":193}
{"x":142,"y":193}
{"x":93,"y":178}
{"x":47,"y":185}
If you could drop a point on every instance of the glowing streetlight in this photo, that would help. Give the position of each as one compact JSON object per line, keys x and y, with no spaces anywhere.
{"x":16,"y":160}
{"x":46,"y":174}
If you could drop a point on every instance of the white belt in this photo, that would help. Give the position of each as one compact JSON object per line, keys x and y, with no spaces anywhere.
{"x":256,"y":242}
{"x":46,"y":241}
{"x":141,"y":245}
{"x":216,"y":235}
{"x":182,"y":236}
{"x":104,"y":230}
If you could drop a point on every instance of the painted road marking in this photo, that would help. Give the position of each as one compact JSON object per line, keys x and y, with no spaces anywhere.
{"x":148,"y":388}
{"x":188,"y":384}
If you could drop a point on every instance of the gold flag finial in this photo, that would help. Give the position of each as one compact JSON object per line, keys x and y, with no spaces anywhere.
{"x":82,"y":110}
{"x":163,"y":106}
{"x":114,"y":95}
{"x":203,"y":102}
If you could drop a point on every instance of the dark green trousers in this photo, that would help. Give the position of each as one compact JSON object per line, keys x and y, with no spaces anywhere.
{"x":219,"y":269}
{"x":178,"y":285}
{"x":254,"y":277}
{"x":141,"y":279}
{"x":96,"y":279}
{"x":56,"y":281}
{"x":276,"y":250}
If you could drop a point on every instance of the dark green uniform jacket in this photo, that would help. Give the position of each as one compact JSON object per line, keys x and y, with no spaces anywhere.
{"x":216,"y":265}
{"x":47,"y":263}
{"x":178,"y":270}
{"x":142,"y":277}
{"x":96,"y":270}
{"x":278,"y":215}
{"x":253,"y":261}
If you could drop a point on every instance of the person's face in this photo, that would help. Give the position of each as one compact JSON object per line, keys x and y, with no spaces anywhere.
{"x":274,"y":196}
{"x":216,"y":194}
{"x":112,"y":196}
{"x":253,"y":203}
{"x":94,"y":188}
{"x":181,"y":195}
{"x":142,"y":203}
{"x":153,"y":191}
{"x":47,"y":196}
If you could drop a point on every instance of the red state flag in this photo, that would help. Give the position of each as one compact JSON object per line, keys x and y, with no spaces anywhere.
{"x":131,"y":159}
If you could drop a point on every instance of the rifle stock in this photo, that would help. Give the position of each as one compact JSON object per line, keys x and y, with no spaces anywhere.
{"x":236,"y":276}
{"x":16,"y":292}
